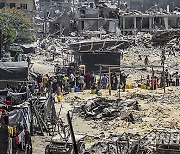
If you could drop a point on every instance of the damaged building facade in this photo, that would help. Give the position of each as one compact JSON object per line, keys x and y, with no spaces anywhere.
{"x":28,"y":6}
{"x":55,"y":17}
{"x":91,"y":18}
{"x":19,"y":4}
{"x":148,"y":22}
{"x":143,"y":5}
{"x":62,"y":17}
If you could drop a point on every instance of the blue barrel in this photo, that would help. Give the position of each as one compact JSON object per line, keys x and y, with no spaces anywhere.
{"x":173,"y":83}
{"x":97,"y":90}
{"x":76,"y":89}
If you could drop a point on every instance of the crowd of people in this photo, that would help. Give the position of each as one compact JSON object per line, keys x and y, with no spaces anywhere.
{"x":76,"y":81}
{"x":65,"y":83}
{"x":169,"y":79}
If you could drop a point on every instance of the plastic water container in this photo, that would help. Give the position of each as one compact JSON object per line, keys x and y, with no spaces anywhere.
{"x":93,"y":91}
{"x":128,"y":86}
{"x":76,"y":89}
{"x":59,"y":98}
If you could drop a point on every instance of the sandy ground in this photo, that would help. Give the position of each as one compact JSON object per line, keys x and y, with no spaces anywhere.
{"x":154,"y":113}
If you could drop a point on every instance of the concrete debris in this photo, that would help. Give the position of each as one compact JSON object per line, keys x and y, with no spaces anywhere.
{"x":140,"y":96}
{"x":104,"y":109}
{"x":163,"y":37}
{"x":156,"y":141}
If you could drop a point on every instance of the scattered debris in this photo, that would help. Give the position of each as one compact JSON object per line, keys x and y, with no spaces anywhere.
{"x":105,"y":109}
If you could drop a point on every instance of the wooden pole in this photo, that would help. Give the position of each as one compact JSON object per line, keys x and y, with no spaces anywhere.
{"x":109,"y":81}
{"x":31,"y":117}
{"x":120,"y":73}
{"x":163,"y":60}
{"x":1,"y":44}
{"x":152,"y":79}
{"x":152,"y":71}
{"x":164,"y":87}
{"x":72,"y":133}
{"x":100,"y":74}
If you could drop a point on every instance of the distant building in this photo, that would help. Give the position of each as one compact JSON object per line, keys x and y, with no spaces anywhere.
{"x":143,"y":5}
{"x":28,"y":5}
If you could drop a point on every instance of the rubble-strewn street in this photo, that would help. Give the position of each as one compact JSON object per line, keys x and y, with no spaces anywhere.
{"x":89,"y":77}
{"x":138,"y":111}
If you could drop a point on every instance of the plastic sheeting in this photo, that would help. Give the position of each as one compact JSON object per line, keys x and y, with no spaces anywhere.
{"x":14,"y":71}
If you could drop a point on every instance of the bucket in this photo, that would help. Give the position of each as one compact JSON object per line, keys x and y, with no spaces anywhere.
{"x":76,"y":89}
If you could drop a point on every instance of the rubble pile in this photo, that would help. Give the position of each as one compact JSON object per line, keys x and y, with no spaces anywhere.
{"x":154,"y":98}
{"x":51,"y":51}
{"x":163,"y":37}
{"x":105,"y":109}
{"x":140,"y":96}
{"x":115,"y":143}
{"x":165,"y":99}
{"x":156,"y":141}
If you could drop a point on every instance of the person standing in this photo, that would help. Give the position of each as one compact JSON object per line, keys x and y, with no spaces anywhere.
{"x":81,"y":82}
{"x":177,"y":78}
{"x":93,"y":79}
{"x":148,"y":81}
{"x":167,"y":77}
{"x":146,"y":60}
{"x":54,"y":84}
{"x":45,"y":81}
{"x":39,"y":82}
{"x":87,"y":79}
{"x":66,"y":83}
{"x":72,"y":80}
{"x":60,"y":81}
{"x":114,"y":82}
{"x":104,"y":81}
{"x":77,"y":79}
{"x":123,"y":78}
{"x":163,"y":57}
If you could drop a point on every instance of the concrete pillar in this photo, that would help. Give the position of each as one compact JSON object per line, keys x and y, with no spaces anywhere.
{"x":135,"y":23}
{"x":166,"y":23}
{"x":150,"y":23}
{"x":141,"y":21}
{"x":153,"y":23}
{"x":124,"y":23}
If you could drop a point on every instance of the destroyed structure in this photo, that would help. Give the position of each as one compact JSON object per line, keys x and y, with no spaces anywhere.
{"x":90,"y":18}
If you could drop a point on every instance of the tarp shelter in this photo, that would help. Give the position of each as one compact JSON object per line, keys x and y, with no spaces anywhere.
{"x":14,"y":49}
{"x":95,"y":52}
{"x":14,"y":71}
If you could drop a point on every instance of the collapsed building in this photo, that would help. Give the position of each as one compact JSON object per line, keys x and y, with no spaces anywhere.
{"x":63,"y":18}
{"x":93,"y":53}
